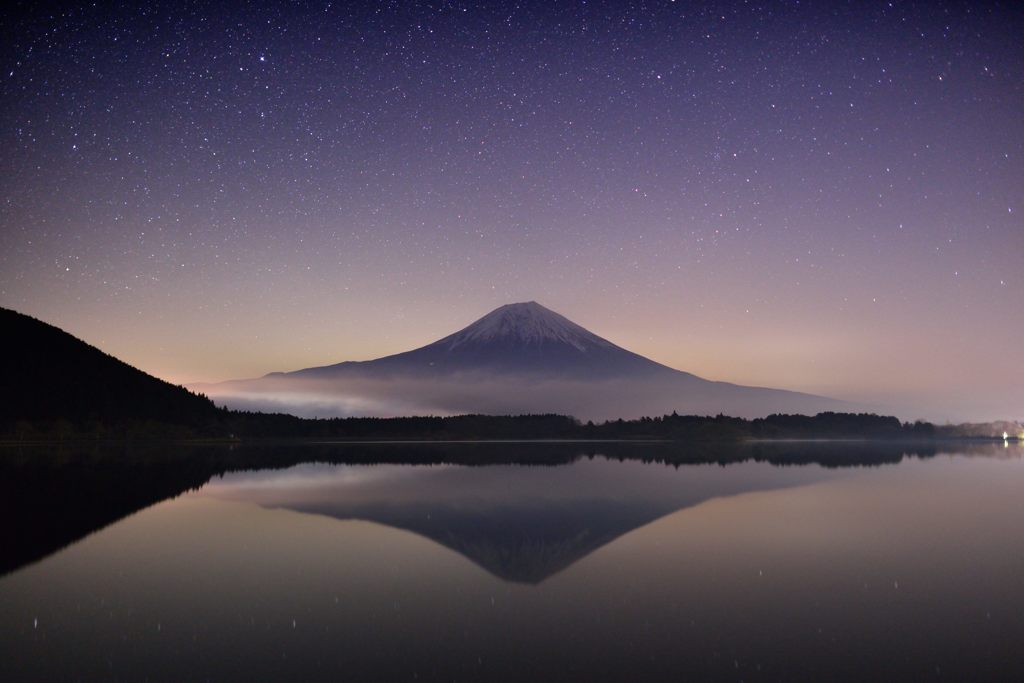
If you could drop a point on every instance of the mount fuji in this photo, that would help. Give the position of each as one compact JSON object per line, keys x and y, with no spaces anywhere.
{"x":524,"y":339}
{"x":519,"y":358}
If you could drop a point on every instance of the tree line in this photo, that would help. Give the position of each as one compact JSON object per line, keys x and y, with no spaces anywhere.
{"x":220,"y":423}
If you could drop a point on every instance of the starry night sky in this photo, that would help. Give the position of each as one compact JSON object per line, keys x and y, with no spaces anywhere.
{"x":818,"y":196}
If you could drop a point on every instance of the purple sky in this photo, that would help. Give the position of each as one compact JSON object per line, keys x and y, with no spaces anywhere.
{"x":814,"y":196}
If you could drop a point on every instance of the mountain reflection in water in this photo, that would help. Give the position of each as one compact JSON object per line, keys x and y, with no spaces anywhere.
{"x":54,"y":495}
{"x":800,"y":561}
{"x":521,"y":524}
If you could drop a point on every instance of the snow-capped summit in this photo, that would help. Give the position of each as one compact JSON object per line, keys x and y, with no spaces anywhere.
{"x":525,"y":323}
{"x":522,"y":339}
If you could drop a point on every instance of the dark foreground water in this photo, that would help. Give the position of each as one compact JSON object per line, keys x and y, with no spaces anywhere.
{"x":786,"y":562}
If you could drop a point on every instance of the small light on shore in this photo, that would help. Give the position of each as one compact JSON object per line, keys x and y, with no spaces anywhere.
{"x":1005,"y":436}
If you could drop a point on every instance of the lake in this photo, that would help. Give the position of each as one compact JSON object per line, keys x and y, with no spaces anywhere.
{"x":801,"y":561}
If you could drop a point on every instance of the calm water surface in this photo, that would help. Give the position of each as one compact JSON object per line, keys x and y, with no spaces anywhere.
{"x":837,"y":567}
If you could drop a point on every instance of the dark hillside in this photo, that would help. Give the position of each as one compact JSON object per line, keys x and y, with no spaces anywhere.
{"x":47,"y":374}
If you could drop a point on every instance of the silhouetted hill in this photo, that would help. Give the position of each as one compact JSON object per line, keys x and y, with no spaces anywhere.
{"x":50,"y":376}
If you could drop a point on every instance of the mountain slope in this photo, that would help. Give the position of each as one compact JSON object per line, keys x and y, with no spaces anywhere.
{"x":520,"y":358}
{"x":47,"y":374}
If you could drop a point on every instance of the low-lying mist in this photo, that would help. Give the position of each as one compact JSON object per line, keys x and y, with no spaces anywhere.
{"x":502,"y":394}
